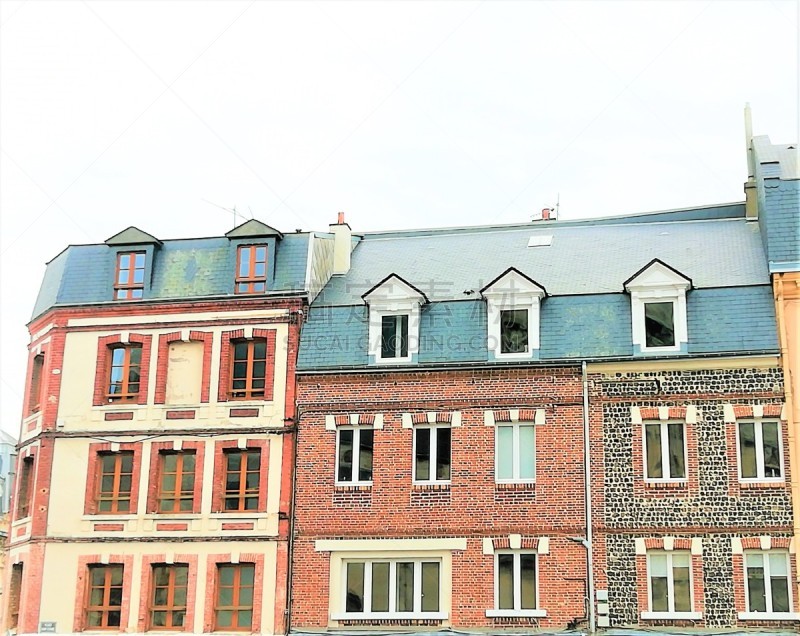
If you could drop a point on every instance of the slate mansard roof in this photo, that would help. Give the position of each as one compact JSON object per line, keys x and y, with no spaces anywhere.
{"x":586,"y":313}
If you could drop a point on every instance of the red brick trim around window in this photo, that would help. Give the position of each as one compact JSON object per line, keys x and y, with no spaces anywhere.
{"x":258,"y":587}
{"x":104,"y":369}
{"x":154,"y":483}
{"x":146,"y":594}
{"x":93,"y":475}
{"x":218,"y":496}
{"x":698,"y":598}
{"x":666,"y":488}
{"x":164,"y":340}
{"x":81,"y":587}
{"x":225,"y":362}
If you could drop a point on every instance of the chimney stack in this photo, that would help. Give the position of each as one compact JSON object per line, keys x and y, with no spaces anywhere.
{"x":342,"y":244}
{"x":545,"y":214}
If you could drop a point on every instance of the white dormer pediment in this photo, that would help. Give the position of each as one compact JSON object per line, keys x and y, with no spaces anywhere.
{"x":514,"y":286}
{"x":657,"y":275}
{"x":394,"y":291}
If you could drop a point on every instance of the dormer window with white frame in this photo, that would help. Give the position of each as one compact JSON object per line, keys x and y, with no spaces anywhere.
{"x":512,"y":311}
{"x":658,"y":309}
{"x":394,"y":312}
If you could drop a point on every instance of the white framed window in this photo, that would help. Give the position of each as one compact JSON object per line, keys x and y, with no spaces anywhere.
{"x":516,"y":589}
{"x":768,"y":593}
{"x":354,"y":446}
{"x":515,"y":452}
{"x":669,"y":585}
{"x":394,"y":314}
{"x":394,"y":337}
{"x":512,"y":310}
{"x":432,"y":453}
{"x":392,"y":588}
{"x":658,"y":309}
{"x":664,"y":451}
{"x":760,"y":450}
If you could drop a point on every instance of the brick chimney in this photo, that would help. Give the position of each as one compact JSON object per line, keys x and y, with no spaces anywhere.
{"x":546,"y":214}
{"x":342,"y":244}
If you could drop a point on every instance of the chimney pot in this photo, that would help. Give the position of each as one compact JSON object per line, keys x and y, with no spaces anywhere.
{"x":545,"y":214}
{"x":340,"y":218}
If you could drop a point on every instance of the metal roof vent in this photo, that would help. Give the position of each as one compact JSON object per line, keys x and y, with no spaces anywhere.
{"x":540,"y":240}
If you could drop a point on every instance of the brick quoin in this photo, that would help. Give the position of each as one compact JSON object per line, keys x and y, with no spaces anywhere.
{"x":473,"y":506}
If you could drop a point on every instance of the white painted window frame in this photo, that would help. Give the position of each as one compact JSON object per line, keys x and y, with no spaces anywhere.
{"x":512,"y":298}
{"x":356,"y":451}
{"x":665,"y":452}
{"x":760,"y":478}
{"x":517,"y":611}
{"x":769,"y":614}
{"x":376,"y":315}
{"x":433,"y":448}
{"x":670,"y":613}
{"x":516,"y":451}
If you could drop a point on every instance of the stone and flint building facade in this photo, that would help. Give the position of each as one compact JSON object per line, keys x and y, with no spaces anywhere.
{"x":545,"y":426}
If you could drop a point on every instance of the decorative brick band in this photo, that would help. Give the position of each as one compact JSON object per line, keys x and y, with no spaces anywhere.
{"x":733,"y":412}
{"x":118,"y":416}
{"x":181,"y":415}
{"x":686,"y":413}
{"x":237,"y":526}
{"x":453,"y":418}
{"x":375,"y":420}
{"x":537,"y":416}
{"x":243,"y":412}
{"x":695,"y":545}
{"x":171,"y":527}
{"x":517,"y":542}
{"x":108,"y":527}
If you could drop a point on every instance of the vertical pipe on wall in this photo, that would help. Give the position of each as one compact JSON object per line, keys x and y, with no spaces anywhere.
{"x":587,"y":482}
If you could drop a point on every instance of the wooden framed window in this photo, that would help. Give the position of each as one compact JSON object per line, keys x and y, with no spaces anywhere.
{"x":115,"y":481}
{"x":35,"y":391}
{"x":242,"y":479}
{"x":104,"y":597}
{"x":176,"y":482}
{"x":233,"y":610}
{"x":129,"y":276}
{"x":251,"y":269}
{"x":168,"y":599}
{"x":24,"y":490}
{"x":124,"y":374}
{"x":249,"y":372}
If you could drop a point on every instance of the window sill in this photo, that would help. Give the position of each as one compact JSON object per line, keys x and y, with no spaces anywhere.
{"x":431,"y":485}
{"x":671,"y":616}
{"x":350,"y":486}
{"x":755,"y":484}
{"x":769,"y":616}
{"x":534,"y":613}
{"x":392,"y":616}
{"x":515,"y":485}
{"x":667,"y":484}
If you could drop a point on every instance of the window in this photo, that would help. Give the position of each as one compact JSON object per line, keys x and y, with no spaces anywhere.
{"x":129,"y":279}
{"x":394,"y":336}
{"x":516,"y":592}
{"x":176,"y":485}
{"x":242,"y":479}
{"x":659,"y":324}
{"x":385,"y":588}
{"x":354,"y":455}
{"x":767,"y":582}
{"x":513,"y":331}
{"x":115,"y":481}
{"x":760,"y":450}
{"x":432,"y":454}
{"x":233,"y":610}
{"x":515,"y":453}
{"x":35,"y":395}
{"x":124,"y":373}
{"x":104,"y":606}
{"x":512,"y":311}
{"x":249,"y":375}
{"x":669,"y":582}
{"x":168,"y":600}
{"x":24,"y":490}
{"x":251,"y":269}
{"x":665,"y":451}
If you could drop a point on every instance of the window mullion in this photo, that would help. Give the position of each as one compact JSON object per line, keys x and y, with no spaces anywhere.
{"x":666,"y":470}
{"x":433,"y":471}
{"x":417,"y":592}
{"x":355,"y":457}
{"x":368,"y":587}
{"x":392,"y":586}
{"x":759,"y":443}
{"x":670,"y":584}
{"x":767,"y":581}
{"x":515,"y":452}
{"x":517,"y":581}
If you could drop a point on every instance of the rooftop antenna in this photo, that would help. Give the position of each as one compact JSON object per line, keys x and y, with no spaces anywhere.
{"x":558,"y":203}
{"x":232,"y":211}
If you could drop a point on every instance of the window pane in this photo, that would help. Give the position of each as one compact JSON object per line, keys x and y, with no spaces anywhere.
{"x":683,"y":595}
{"x":403,"y":329}
{"x":658,"y":587}
{"x":527,"y":572}
{"x":224,"y":618}
{"x":658,"y":564}
{"x":344,"y":470}
{"x":443,"y":453}
{"x":677,"y":461}
{"x":757,"y":601}
{"x":505,"y":581}
{"x":505,"y":450}
{"x":380,"y":587}
{"x":355,"y":588}
{"x":244,"y":262}
{"x":747,"y":450}
{"x":430,"y":587}
{"x":526,"y":452}
{"x":423,"y":453}
{"x":772,"y":457}
{"x":405,"y":587}
{"x":514,"y":331}
{"x":778,"y":565}
{"x":245,"y":618}
{"x":780,"y":593}
{"x":659,"y":325}
{"x":653,"y":445}
{"x":365,"y":454}
{"x":388,"y":336}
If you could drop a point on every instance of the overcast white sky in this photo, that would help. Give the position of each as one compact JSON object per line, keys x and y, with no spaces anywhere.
{"x":402,"y":114}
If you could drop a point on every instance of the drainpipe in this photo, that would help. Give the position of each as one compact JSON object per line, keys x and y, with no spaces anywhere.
{"x":587,"y":494}
{"x":792,"y":425}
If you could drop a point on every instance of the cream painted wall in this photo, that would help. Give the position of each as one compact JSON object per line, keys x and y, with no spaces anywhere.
{"x":184,"y":373}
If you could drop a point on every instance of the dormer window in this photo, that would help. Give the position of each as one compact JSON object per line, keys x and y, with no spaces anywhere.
{"x":658,"y":309}
{"x":129,"y":278}
{"x":512,"y":302}
{"x":251,"y":269}
{"x":394,"y":310}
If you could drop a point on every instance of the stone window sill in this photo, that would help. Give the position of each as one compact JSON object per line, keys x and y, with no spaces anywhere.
{"x":758,"y":485}
{"x":769,"y":616}
{"x":353,"y":487}
{"x":671,"y":616}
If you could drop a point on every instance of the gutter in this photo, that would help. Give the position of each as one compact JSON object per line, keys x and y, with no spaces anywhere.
{"x":587,"y":481}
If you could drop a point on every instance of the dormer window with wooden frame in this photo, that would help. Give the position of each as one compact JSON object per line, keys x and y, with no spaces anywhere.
{"x":251,"y":269}
{"x":512,"y":311}
{"x":129,"y":276}
{"x":658,"y":309}
{"x":394,"y":312}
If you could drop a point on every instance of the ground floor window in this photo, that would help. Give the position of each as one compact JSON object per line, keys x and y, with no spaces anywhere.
{"x":767,"y":581}
{"x":403,"y":587}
